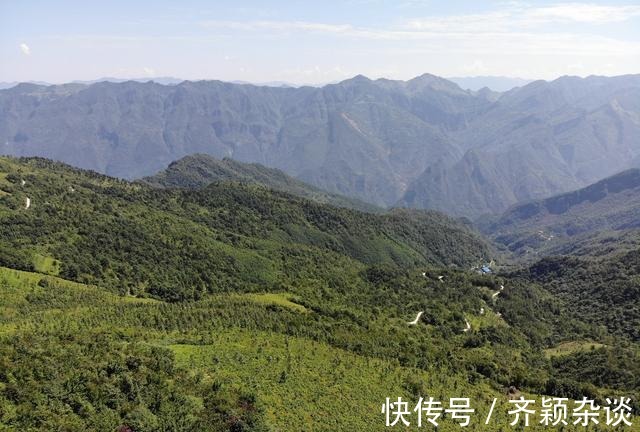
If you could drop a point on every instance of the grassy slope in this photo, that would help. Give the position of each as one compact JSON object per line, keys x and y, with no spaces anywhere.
{"x":568,"y":348}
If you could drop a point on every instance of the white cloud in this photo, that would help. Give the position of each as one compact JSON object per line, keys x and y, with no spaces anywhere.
{"x":490,"y":21}
{"x":477,"y":67}
{"x":512,"y":18}
{"x":519,"y":37}
{"x":25,"y":49}
{"x":584,"y":13}
{"x":495,"y":32}
{"x":317,"y":73}
{"x":516,"y":33}
{"x":285,"y":26}
{"x":516,"y":15}
{"x":150,"y":72}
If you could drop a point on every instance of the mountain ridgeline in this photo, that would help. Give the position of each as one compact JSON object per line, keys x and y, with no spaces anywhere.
{"x":196,"y":171}
{"x":422,"y":143}
{"x":584,"y":247}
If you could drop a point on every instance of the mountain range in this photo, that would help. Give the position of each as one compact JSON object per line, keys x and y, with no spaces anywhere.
{"x":422,"y":143}
{"x":494,"y":83}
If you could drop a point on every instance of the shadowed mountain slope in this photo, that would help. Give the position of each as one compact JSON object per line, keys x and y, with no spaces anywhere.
{"x":601,"y":218}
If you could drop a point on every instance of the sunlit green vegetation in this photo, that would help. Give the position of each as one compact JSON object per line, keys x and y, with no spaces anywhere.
{"x":109,"y":360}
{"x":568,"y":348}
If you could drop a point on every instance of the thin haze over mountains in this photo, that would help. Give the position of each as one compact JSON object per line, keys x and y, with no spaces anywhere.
{"x":494,"y":83}
{"x":282,"y":223}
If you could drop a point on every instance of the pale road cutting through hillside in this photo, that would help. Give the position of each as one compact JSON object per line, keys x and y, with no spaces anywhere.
{"x":467,"y":325}
{"x":27,"y":203}
{"x":415,"y":321}
{"x":495,"y":294}
{"x":352,"y":123}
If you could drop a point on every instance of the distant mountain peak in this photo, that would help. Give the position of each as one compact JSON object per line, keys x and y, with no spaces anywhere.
{"x":433,"y":82}
{"x":358,"y":79}
{"x":495,"y":83}
{"x":426,"y":77}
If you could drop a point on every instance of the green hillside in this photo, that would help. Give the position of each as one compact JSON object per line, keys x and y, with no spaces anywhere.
{"x":237,"y":308}
{"x":179,"y":244}
{"x":199,"y":170}
{"x":607,"y":291}
{"x":80,"y":358}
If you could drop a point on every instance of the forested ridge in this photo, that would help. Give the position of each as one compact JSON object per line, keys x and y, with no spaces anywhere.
{"x":237,"y":308}
{"x":604,"y":291}
{"x":199,"y":170}
{"x":600,"y":219}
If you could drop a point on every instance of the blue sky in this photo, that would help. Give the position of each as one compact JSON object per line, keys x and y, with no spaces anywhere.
{"x":315,"y":41}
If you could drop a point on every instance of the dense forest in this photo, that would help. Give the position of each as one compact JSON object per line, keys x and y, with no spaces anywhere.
{"x":234,"y":307}
{"x":604,"y":291}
